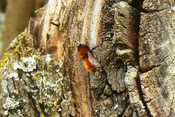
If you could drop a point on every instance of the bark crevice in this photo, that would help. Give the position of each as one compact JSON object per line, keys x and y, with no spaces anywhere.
{"x":142,"y":97}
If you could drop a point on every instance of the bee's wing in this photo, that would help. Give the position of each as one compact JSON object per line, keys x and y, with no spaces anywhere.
{"x":93,"y":60}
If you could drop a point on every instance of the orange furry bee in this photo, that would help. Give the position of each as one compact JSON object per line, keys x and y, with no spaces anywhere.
{"x":90,"y":62}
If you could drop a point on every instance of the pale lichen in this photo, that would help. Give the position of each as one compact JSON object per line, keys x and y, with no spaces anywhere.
{"x":10,"y":103}
{"x":27,"y":78}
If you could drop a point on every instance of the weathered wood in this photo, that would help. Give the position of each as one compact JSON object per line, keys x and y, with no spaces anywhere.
{"x":156,"y":51}
{"x":58,"y":30}
{"x":126,"y":38}
{"x":135,"y":77}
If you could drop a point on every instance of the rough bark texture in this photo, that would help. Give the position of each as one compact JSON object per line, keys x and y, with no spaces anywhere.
{"x":156,"y":51}
{"x":133,"y":40}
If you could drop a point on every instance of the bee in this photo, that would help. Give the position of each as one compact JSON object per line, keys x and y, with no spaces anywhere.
{"x":90,"y":62}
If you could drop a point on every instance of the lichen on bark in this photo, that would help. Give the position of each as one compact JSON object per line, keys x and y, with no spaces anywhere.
{"x":33,"y":84}
{"x":125,"y":83}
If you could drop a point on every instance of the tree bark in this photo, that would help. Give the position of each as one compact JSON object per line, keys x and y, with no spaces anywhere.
{"x":156,"y":40}
{"x":43,"y":75}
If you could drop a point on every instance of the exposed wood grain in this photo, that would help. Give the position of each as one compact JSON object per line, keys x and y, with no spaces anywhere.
{"x":131,"y":81}
{"x":58,"y":29}
{"x":156,"y":51}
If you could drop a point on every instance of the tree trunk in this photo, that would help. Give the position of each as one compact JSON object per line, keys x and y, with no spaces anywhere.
{"x":43,"y":75}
